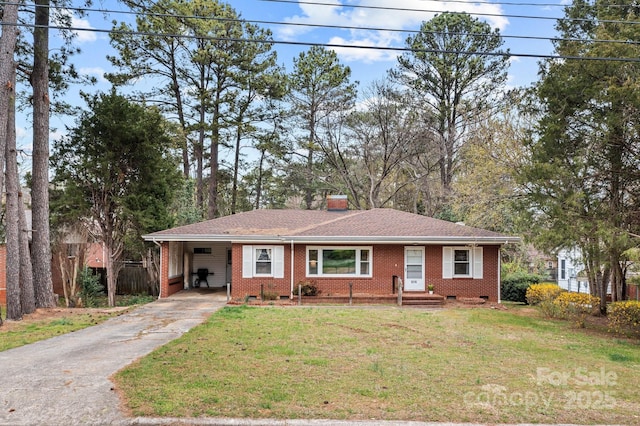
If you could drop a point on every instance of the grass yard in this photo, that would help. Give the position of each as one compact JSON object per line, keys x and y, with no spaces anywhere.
{"x":461,"y":365}
{"x":46,"y":323}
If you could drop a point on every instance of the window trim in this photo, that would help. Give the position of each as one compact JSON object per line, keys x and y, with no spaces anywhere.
{"x":468,"y":262}
{"x":255,"y":261}
{"x":476,"y":262}
{"x":358,"y":261}
{"x":249,"y":261}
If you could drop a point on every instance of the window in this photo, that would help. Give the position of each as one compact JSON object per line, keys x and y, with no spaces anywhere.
{"x":339,"y":261}
{"x":262,"y":261}
{"x":202,"y":250}
{"x":563,"y":269}
{"x":462,"y":262}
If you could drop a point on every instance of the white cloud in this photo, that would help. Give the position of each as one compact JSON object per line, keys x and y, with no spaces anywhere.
{"x":83,"y":36}
{"x":95,"y":71}
{"x":64,"y":17}
{"x":387,"y":16}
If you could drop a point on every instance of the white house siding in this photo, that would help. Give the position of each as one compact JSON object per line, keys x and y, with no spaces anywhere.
{"x":569,"y":267}
{"x":215,"y":262}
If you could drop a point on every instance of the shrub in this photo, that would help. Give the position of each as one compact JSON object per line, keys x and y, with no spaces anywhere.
{"x":624,"y":317}
{"x":269,"y":293}
{"x":90,"y":288}
{"x":576,"y":306}
{"x":307,"y":288}
{"x":514,"y":286}
{"x":538,"y":293}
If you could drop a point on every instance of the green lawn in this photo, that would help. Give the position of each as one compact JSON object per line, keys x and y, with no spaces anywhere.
{"x":22,"y":333}
{"x":462,"y":365}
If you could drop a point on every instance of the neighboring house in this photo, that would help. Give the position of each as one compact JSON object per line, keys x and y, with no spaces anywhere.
{"x":368,"y":248}
{"x":93,"y":258}
{"x":542,"y":263}
{"x":571,"y":274}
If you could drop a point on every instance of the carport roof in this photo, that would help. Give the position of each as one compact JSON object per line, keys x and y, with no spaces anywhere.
{"x":321,"y":226}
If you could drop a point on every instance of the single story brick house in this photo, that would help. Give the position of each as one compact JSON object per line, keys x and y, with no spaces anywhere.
{"x":371,"y":249}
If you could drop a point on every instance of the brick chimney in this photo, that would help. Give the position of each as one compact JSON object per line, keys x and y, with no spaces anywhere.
{"x":337,"y":203}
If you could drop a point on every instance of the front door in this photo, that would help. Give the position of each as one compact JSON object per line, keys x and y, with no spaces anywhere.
{"x":414,"y":268}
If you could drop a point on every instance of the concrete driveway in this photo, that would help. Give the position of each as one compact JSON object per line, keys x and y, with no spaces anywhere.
{"x":64,"y":380}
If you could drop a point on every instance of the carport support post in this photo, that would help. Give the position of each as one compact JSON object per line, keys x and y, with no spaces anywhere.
{"x":299,"y":294}
{"x":228,"y":292}
{"x":350,"y":294}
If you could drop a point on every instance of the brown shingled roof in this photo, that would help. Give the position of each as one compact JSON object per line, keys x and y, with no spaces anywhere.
{"x":309,"y":225}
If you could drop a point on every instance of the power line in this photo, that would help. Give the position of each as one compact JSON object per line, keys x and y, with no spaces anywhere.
{"x":400,"y":9}
{"x":340,"y":27}
{"x":330,"y":45}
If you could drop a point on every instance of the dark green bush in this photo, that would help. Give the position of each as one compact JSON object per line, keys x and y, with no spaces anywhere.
{"x":514,"y":286}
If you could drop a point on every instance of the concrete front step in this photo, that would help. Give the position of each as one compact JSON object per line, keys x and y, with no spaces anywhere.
{"x":422,"y":299}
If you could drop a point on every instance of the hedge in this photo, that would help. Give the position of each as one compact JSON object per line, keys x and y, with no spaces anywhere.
{"x":514,"y":286}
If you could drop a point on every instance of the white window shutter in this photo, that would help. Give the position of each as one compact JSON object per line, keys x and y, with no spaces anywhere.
{"x":447,"y":262}
{"x":247,"y":261}
{"x":278,"y":262}
{"x":477,"y":263}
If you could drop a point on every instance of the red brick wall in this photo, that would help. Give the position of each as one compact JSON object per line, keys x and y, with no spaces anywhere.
{"x":3,"y":275}
{"x":464,"y":287}
{"x":388,"y":260}
{"x":168,"y":286}
{"x":241,"y":287}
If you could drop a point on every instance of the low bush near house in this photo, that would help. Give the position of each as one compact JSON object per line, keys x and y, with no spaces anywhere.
{"x":307,"y":288}
{"x":575,"y":306}
{"x":624,"y":317}
{"x":514,"y":286}
{"x":270,"y":293}
{"x":538,"y":293}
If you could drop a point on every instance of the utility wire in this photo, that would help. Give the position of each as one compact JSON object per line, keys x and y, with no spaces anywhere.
{"x":339,"y":27}
{"x":400,"y":9}
{"x":331,"y":45}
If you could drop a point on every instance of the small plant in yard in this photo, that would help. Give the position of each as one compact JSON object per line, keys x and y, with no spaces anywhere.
{"x":624,"y":317}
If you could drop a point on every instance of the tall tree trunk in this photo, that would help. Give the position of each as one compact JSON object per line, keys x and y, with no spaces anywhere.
{"x":7,"y":97}
{"x":7,"y":70}
{"x":308,"y":195}
{"x":260,"y":178}
{"x":41,"y":249}
{"x":236,"y":167}
{"x":12,"y":218}
{"x":215,"y":144}
{"x":27,"y":295}
{"x":111,"y":276}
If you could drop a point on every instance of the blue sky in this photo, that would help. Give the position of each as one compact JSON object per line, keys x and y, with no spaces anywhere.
{"x":366,"y":64}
